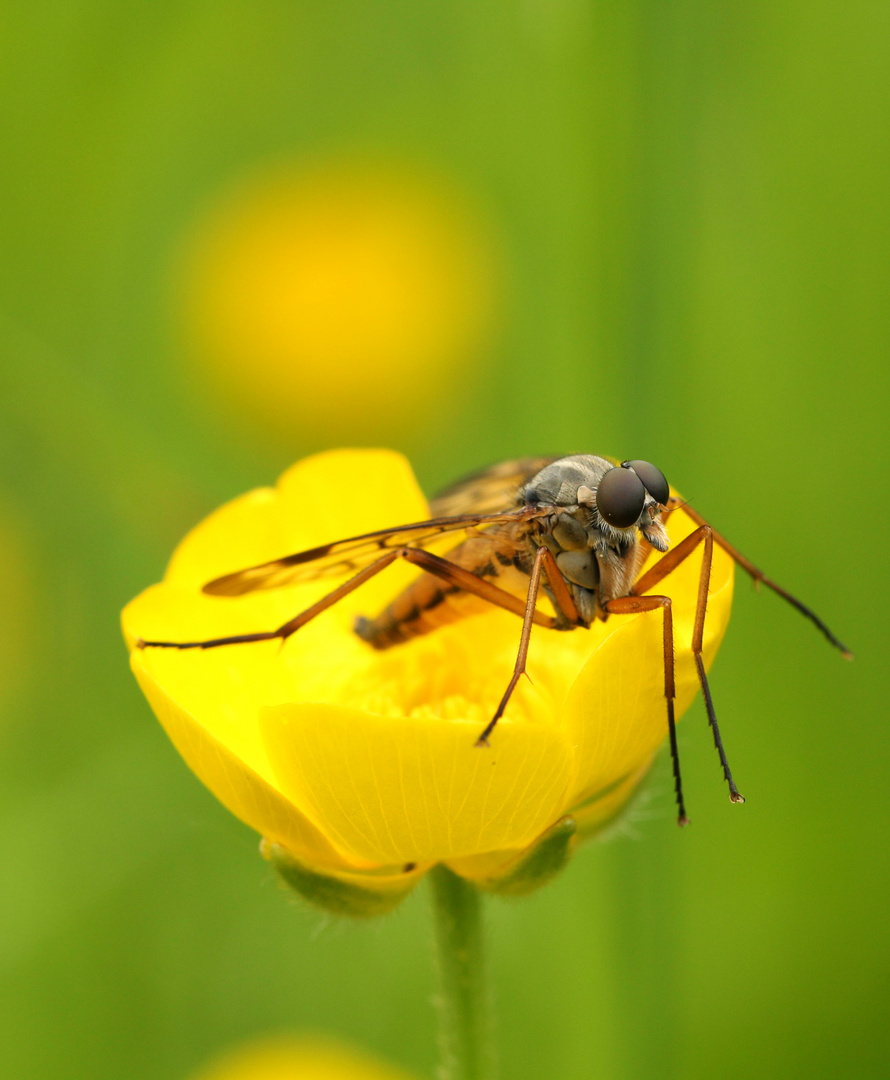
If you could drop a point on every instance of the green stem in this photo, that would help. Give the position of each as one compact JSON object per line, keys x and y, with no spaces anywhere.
{"x":465,"y":1023}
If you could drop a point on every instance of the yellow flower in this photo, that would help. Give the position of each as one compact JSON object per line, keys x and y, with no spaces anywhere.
{"x":355,"y":764}
{"x":344,"y":298}
{"x":298,"y":1059}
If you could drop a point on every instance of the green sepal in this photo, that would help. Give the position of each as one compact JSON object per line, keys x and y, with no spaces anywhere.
{"x":361,"y":896}
{"x":537,"y":865}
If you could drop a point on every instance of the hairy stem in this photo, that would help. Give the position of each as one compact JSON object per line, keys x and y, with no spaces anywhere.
{"x":465,"y":1022}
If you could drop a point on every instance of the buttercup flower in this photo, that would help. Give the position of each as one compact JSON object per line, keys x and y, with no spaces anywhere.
{"x":359,"y":767}
{"x":301,"y":1058}
{"x":344,"y":296}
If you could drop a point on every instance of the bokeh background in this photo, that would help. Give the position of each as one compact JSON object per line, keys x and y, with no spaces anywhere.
{"x":237,"y":232}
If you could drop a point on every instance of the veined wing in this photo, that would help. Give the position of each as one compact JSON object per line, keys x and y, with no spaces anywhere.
{"x":344,"y":557}
{"x":490,"y":490}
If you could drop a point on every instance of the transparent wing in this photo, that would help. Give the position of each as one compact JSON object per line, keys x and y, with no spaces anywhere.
{"x":490,"y":490}
{"x":344,"y":557}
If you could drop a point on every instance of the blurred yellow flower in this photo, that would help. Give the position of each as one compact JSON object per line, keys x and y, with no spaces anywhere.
{"x":356,"y":763}
{"x":343,"y":300}
{"x":295,"y":1058}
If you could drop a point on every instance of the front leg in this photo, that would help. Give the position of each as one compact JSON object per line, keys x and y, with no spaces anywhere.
{"x":565,"y":608}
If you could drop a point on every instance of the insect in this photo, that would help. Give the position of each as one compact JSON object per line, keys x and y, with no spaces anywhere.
{"x":580,"y":527}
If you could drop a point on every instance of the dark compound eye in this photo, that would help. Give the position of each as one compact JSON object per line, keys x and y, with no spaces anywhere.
{"x":620,"y":498}
{"x":653,"y":480}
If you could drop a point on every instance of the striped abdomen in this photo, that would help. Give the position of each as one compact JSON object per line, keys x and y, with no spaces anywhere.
{"x":429,"y":602}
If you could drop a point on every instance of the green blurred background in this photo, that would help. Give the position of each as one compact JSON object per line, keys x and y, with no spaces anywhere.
{"x":685,"y":218}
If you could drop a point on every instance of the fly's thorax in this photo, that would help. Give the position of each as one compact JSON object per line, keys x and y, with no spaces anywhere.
{"x":572,"y":543}
{"x":595,"y":567}
{"x":557,"y":484}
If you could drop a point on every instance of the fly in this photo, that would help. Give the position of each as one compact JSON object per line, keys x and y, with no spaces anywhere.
{"x":580,"y":527}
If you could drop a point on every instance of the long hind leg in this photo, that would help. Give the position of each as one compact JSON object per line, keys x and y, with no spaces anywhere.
{"x":759,"y":576}
{"x":433,"y":564}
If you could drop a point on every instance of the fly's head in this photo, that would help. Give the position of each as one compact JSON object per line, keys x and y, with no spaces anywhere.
{"x":627,"y":498}
{"x":611,"y":502}
{"x":608,"y":507}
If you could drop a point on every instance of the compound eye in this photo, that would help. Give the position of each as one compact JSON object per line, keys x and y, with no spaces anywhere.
{"x":620,"y":498}
{"x":653,"y":480}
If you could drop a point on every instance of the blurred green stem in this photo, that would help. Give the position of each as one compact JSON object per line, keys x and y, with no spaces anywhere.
{"x":465,"y":1023}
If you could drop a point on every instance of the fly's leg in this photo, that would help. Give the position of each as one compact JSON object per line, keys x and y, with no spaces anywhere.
{"x":544,"y":560}
{"x":433,"y":564}
{"x":705,"y":536}
{"x":759,"y":576}
{"x":628,"y":605}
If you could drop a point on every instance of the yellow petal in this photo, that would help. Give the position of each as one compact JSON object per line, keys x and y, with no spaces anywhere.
{"x":392,"y":788}
{"x":225,"y":767}
{"x":292,"y":1058}
{"x":325,"y":497}
{"x":489,"y":868}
